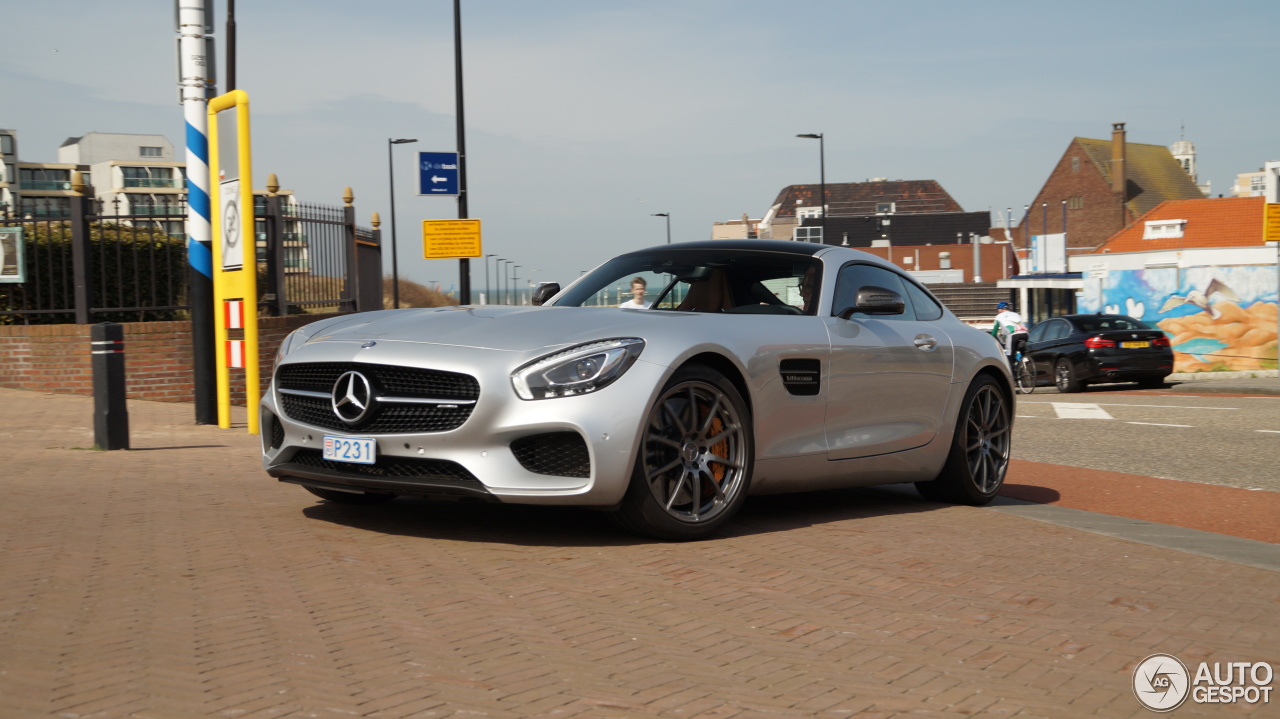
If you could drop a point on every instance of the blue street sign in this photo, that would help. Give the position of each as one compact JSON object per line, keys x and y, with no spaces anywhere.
{"x":437,"y":173}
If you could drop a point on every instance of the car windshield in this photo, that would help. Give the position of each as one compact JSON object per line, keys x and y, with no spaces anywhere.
{"x":1102,"y":323}
{"x":739,"y":282}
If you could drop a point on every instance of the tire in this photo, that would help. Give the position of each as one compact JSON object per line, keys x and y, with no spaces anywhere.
{"x":1065,"y":377}
{"x":693,"y":466}
{"x":337,"y":497}
{"x":980,"y":450}
{"x":1024,"y":377}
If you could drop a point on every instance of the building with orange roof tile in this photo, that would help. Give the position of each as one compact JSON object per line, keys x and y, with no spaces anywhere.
{"x":1190,"y":224}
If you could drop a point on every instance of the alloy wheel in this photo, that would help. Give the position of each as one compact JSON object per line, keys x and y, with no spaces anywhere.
{"x":695,"y":452}
{"x":987,"y":439}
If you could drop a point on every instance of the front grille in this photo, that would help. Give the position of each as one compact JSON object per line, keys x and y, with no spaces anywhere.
{"x":277,"y":431}
{"x":561,"y":454}
{"x":387,"y":380}
{"x":435,"y":471}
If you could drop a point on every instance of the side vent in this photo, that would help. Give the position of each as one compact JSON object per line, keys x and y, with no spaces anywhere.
{"x":801,"y":377}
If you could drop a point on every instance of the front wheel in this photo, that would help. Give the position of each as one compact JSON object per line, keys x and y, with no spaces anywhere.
{"x":1024,"y":376}
{"x":980,"y":449}
{"x":694,"y":462}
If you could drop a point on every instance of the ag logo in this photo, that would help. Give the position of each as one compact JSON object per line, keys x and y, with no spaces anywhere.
{"x":1161,"y":682}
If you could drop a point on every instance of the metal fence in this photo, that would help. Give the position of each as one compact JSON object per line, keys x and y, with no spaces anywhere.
{"x":127,"y":261}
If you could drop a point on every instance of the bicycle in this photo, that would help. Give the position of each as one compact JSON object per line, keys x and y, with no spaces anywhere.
{"x":1024,"y":375}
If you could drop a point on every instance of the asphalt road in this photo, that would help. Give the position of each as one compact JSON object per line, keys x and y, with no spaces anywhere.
{"x":1223,"y":440}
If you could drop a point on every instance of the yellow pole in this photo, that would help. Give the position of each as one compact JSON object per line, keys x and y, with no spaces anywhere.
{"x":244,"y":281}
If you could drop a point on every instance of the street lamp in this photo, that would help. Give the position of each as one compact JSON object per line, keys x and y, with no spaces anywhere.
{"x":668,"y":216}
{"x":822,"y":166}
{"x":395,"y":266}
{"x":488,"y":291}
{"x":497,"y":275}
{"x":515,"y":289}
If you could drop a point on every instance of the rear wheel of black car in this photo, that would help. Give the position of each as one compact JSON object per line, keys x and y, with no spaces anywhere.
{"x":334,"y":495}
{"x":980,"y":449}
{"x":1064,"y":376}
{"x":695,"y":459}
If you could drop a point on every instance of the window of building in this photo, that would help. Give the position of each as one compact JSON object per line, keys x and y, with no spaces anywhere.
{"x":40,"y":178}
{"x":1075,"y":203}
{"x":1163,"y":229}
{"x":148,"y":176}
{"x":145,"y":151}
{"x":803,"y":212}
{"x":884,"y":207}
{"x":1257,"y":185}
{"x":6,"y":144}
{"x":1075,"y":164}
{"x":812,"y":233}
{"x":39,"y":207}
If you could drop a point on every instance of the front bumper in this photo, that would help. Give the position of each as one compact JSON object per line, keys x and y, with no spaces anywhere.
{"x":490,"y":455}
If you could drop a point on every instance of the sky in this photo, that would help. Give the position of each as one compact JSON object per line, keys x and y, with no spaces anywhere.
{"x":584,"y":118}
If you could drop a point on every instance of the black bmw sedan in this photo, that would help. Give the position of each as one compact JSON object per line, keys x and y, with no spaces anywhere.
{"x":1072,"y":351}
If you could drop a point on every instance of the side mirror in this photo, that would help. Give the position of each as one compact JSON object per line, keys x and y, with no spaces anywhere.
{"x":545,"y":291}
{"x":872,"y":300}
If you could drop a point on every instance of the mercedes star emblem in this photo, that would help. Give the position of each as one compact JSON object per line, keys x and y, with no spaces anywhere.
{"x":352,"y":397}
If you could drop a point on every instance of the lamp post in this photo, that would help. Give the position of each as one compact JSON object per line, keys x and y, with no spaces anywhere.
{"x":395,"y":266}
{"x":822,"y":167}
{"x":497,"y":275}
{"x":488,"y":291}
{"x":668,"y":216}
{"x":515,"y":288}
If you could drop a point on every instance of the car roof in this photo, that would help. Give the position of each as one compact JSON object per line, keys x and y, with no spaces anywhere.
{"x":803,"y":249}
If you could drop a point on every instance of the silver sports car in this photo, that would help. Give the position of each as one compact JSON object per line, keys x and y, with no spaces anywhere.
{"x":665,"y":386}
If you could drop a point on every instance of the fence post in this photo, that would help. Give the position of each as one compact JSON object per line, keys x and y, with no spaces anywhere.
{"x":275,"y":248}
{"x":351,"y":285}
{"x":369,"y":267}
{"x":81,"y":262}
{"x":110,"y":413}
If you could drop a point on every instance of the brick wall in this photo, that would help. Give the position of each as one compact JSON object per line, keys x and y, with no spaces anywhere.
{"x":55,"y":358}
{"x":1099,"y":211}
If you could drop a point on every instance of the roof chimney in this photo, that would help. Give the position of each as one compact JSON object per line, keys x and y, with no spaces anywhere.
{"x":1118,"y":179}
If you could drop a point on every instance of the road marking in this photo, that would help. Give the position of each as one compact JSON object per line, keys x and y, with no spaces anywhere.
{"x":1079,"y":410}
{"x":1157,"y":424}
{"x":1271,"y":431}
{"x":1125,"y":404}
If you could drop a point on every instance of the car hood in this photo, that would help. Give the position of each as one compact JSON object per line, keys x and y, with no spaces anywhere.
{"x":494,"y":327}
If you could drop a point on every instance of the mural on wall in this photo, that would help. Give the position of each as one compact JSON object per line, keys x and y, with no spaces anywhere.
{"x":1217,"y":318}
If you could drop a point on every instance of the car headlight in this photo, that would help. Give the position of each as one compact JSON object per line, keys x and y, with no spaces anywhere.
{"x":577,"y":370}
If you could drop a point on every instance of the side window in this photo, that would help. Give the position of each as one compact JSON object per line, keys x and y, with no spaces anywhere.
{"x":854,"y":277}
{"x":1039,"y":332}
{"x":926,"y":307}
{"x":1057,"y":330}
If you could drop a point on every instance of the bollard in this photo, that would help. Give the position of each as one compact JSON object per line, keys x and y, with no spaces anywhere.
{"x":110,"y":415}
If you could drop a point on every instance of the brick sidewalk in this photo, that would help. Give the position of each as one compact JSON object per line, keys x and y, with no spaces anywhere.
{"x":178,"y":580}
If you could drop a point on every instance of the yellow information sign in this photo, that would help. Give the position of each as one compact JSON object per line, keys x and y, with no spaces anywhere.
{"x":1271,"y":223}
{"x":450,"y":239}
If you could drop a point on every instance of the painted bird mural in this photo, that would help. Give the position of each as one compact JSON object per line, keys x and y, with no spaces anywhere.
{"x":1201,"y":299}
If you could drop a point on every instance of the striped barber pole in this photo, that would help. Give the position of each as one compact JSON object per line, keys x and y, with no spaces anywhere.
{"x":235,"y":353}
{"x":233,"y":314}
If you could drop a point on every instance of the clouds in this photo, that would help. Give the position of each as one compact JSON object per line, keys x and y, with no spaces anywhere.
{"x":584,"y":118}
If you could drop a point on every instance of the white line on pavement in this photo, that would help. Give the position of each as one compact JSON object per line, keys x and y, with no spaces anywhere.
{"x":1125,"y":404}
{"x":1079,"y":410}
{"x":1271,"y":431}
{"x":1157,"y":424}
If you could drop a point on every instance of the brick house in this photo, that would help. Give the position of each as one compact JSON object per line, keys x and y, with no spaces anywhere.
{"x":1100,"y":187}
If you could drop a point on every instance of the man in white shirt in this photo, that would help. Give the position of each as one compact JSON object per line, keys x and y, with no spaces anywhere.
{"x":1009,"y":328}
{"x":638,"y":288}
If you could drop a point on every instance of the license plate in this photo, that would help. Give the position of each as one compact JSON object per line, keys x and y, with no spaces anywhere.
{"x":1134,"y":345}
{"x":357,"y":450}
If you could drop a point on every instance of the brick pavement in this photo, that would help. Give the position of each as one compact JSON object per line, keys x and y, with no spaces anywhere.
{"x":178,"y":580}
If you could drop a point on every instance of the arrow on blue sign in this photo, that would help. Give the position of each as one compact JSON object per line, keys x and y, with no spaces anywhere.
{"x":437,"y":173}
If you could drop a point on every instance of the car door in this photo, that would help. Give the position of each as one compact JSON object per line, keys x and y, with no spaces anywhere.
{"x":1043,"y":344}
{"x":890,"y":374}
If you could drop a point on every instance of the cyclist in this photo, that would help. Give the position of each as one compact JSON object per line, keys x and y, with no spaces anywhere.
{"x":1009,"y":329}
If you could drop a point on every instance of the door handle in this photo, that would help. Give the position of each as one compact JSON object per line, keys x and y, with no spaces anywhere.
{"x":925,"y":343}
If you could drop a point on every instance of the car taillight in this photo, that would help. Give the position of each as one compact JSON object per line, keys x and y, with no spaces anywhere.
{"x":1094,"y":343}
{"x":1160,"y":342}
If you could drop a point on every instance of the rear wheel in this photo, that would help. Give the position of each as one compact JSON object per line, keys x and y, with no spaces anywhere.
{"x":334,"y":495}
{"x":980,"y":449}
{"x":1065,"y":377}
{"x":695,"y":459}
{"x":1024,"y":376}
